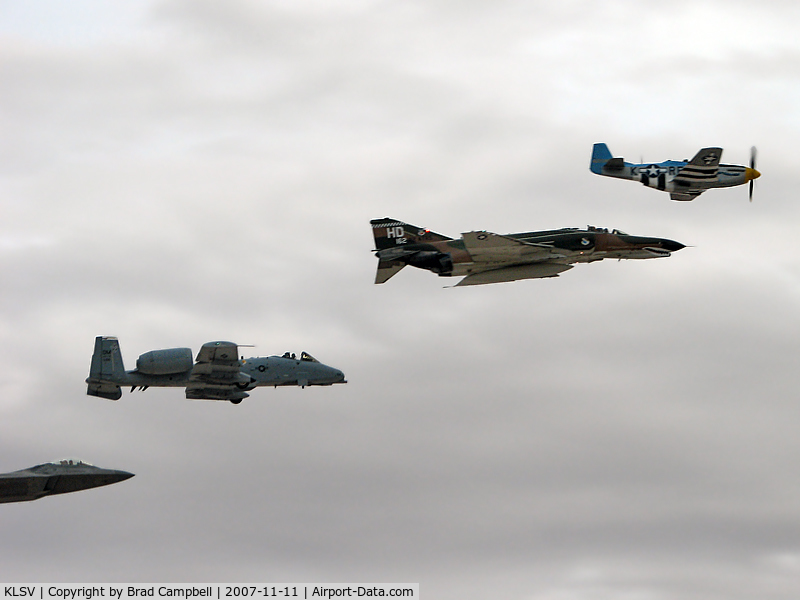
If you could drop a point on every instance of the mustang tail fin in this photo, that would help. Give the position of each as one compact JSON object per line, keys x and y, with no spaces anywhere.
{"x":600,"y":156}
{"x":107,"y":370}
{"x":391,"y":233}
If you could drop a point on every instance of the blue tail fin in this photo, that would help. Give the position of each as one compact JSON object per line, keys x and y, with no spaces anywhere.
{"x":600,"y":156}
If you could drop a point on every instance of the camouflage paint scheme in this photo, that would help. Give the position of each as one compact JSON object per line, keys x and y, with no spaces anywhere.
{"x":684,"y":180}
{"x":218,"y":374}
{"x":483,"y":257}
{"x":57,"y":477}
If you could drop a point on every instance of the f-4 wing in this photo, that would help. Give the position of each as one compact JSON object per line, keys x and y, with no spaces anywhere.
{"x":487,"y":247}
{"x":491,"y":250}
{"x":536,"y":270}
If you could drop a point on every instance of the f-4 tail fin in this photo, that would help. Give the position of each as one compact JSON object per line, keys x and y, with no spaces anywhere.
{"x":391,"y":233}
{"x":107,"y":369}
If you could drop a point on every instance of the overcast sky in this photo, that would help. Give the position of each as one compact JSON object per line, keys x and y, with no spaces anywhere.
{"x":179,"y":171}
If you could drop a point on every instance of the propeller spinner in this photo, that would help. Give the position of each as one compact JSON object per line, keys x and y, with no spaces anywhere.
{"x":752,"y":174}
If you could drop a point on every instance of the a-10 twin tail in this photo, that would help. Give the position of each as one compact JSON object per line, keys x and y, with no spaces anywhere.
{"x":218,"y":373}
{"x":683,"y":179}
{"x":482,"y":257}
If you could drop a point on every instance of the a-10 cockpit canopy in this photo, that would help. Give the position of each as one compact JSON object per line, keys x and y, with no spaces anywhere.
{"x":305,"y":356}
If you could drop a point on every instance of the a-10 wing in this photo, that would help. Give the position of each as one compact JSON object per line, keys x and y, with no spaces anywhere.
{"x":218,"y":353}
{"x":217,"y":373}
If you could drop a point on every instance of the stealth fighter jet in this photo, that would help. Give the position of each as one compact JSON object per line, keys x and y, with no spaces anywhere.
{"x":484,"y":257}
{"x":58,"y":477}
{"x":683,"y":179}
{"x":218,"y":373}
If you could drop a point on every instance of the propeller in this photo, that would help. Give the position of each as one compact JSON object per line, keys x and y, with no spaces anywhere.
{"x":753,"y":167}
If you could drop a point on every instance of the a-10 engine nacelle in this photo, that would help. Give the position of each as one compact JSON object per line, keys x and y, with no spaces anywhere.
{"x":438,"y":262}
{"x":165,"y":362}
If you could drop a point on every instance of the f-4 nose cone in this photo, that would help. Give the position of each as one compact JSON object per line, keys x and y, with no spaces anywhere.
{"x":750,"y":174}
{"x":672,"y":246}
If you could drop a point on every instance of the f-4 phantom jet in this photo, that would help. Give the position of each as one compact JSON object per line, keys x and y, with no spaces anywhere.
{"x":217,"y":374}
{"x":484,"y":257}
{"x":683,"y":179}
{"x":57,"y":477}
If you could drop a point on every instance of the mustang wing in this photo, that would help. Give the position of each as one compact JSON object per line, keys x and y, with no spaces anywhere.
{"x":487,"y":247}
{"x":685,"y":196}
{"x":698,"y":172}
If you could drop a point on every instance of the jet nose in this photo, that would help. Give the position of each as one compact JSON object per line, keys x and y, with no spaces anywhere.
{"x":750,"y":174}
{"x":102,"y":477}
{"x":672,"y":245}
{"x":118,"y":476}
{"x":339,"y":377}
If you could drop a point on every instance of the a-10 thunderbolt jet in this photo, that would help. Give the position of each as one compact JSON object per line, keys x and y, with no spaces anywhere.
{"x":57,"y":477}
{"x":218,"y":373}
{"x":683,"y":179}
{"x":484,"y":257}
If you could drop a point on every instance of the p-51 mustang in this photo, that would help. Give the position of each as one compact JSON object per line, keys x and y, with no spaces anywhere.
{"x":218,"y":374}
{"x":486,"y":257}
{"x":685,"y":179}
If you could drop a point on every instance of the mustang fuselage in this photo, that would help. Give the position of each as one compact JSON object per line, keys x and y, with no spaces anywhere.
{"x":683,"y":179}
